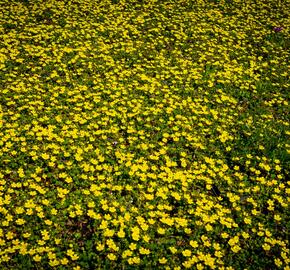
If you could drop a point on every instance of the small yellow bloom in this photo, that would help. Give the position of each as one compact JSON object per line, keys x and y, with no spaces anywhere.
{"x":112,"y":256}
{"x":163,"y":260}
{"x":235,"y":248}
{"x":121,"y":234}
{"x":45,"y":156}
{"x":278,"y":262}
{"x":245,"y":235}
{"x":132,"y":246}
{"x":194,"y":244}
{"x":266,"y":247}
{"x":136,"y":260}
{"x":186,"y":253}
{"x":64,"y":261}
{"x":187,"y":264}
{"x":100,"y":247}
{"x":144,"y":251}
{"x":26,"y":235}
{"x":37,"y":258}
{"x":161,"y":231}
{"x":173,"y":250}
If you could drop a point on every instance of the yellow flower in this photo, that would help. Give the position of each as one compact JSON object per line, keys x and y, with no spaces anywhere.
{"x":144,"y":251}
{"x":121,"y":234}
{"x":173,"y":250}
{"x":210,"y":261}
{"x":208,"y":227}
{"x":71,"y":254}
{"x":20,"y":221}
{"x":278,"y":262}
{"x":218,"y":254}
{"x":64,"y":261}
{"x":136,"y":260}
{"x":245,"y":235}
{"x":91,"y":204}
{"x":233,"y":241}
{"x":26,"y":235}
{"x":235,"y":248}
{"x":186,"y":253}
{"x":74,"y":257}
{"x":167,"y":221}
{"x":57,"y":241}
{"x":112,"y":256}
{"x":247,"y":220}
{"x":187,"y":264}
{"x":266,"y":247}
{"x":54,"y":262}
{"x":194,"y":244}
{"x":126,"y":253}
{"x":45,"y":156}
{"x":100,"y":247}
{"x":37,"y":258}
{"x":108,"y":233}
{"x":146,"y":238}
{"x":163,"y":260}
{"x":10,"y":235}
{"x":132,"y":246}
{"x":135,"y":233}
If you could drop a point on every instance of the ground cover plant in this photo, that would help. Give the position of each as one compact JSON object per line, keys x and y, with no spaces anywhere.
{"x":144,"y":134}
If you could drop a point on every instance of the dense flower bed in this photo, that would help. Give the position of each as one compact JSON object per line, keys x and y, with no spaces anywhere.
{"x":144,"y":134}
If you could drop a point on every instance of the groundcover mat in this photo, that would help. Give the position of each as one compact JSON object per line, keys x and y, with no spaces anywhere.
{"x":144,"y":134}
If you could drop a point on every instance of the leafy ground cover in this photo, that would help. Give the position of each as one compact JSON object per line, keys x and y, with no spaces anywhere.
{"x":144,"y":134}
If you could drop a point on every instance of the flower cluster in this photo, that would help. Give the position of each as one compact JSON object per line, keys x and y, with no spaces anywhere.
{"x":144,"y":134}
